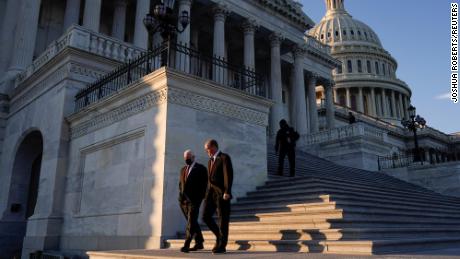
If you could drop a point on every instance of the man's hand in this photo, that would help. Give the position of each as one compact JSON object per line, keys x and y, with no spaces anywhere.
{"x":226,"y":196}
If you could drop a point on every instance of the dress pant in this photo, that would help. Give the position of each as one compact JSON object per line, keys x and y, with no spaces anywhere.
{"x":191,"y":212}
{"x":290,"y":152}
{"x":214,"y":202}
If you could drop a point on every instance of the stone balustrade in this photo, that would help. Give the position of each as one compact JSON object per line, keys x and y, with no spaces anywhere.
{"x":83,"y":39}
{"x":313,"y":43}
{"x":341,"y":133}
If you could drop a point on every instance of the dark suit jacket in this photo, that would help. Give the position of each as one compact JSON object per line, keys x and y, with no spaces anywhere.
{"x":221,"y":174}
{"x":193,"y":189}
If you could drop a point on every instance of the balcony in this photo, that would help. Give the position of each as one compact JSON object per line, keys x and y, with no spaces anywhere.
{"x":177,"y":57}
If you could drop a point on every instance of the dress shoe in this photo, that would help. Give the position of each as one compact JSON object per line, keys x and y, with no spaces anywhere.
{"x":219,"y":250}
{"x":185,"y":249}
{"x":197,"y":247}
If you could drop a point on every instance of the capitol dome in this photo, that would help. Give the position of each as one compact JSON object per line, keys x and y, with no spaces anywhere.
{"x":366,"y":82}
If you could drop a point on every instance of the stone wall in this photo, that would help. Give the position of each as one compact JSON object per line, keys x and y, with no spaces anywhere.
{"x":126,"y":153}
{"x":441,"y":178}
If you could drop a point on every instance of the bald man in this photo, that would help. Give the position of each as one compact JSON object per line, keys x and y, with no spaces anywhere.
{"x":193,"y":183}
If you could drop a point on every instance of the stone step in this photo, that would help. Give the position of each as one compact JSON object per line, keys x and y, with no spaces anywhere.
{"x":339,"y":204}
{"x":352,"y":213}
{"x":300,"y":188}
{"x":331,"y":206}
{"x":287,"y":185}
{"x":352,"y":247}
{"x":340,"y":199}
{"x":344,"y":223}
{"x":360,"y":247}
{"x":335,"y":234}
{"x":344,"y":193}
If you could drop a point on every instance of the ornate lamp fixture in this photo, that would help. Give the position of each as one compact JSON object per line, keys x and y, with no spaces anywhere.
{"x":415,"y":122}
{"x":164,"y":21}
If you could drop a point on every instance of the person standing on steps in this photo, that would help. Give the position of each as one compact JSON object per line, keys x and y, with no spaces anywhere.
{"x":220,"y":175}
{"x":193,"y":183}
{"x":286,"y":139}
{"x":351,"y":118}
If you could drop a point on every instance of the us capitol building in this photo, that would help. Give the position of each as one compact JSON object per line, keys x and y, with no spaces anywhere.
{"x":92,"y":127}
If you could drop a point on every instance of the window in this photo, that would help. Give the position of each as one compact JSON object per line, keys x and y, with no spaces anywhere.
{"x":322,"y":36}
{"x":360,"y":66}
{"x":349,"y":66}
{"x":328,"y":34}
{"x":344,"y":32}
{"x":339,"y":69}
{"x":383,"y":68}
{"x":365,"y":35}
{"x":369,"y":67}
{"x":359,"y":33}
{"x":352,"y":32}
{"x":336,"y":33}
{"x":377,"y":70}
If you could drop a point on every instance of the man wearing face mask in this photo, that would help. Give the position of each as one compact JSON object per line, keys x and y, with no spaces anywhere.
{"x":193,"y":183}
{"x":220,"y":173}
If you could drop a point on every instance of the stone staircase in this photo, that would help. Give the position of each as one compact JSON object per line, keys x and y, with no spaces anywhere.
{"x":328,"y":208}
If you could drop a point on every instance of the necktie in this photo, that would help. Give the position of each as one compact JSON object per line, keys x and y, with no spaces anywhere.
{"x":187,"y":172}
{"x":212,"y":163}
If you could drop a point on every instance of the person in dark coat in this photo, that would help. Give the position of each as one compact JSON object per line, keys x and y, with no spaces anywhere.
{"x":220,"y":175}
{"x":193,"y":184}
{"x":351,"y":118}
{"x":286,"y":139}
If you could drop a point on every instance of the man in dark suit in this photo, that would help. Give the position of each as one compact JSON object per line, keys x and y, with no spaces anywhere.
{"x":220,"y":175}
{"x":286,"y":139}
{"x":193,"y":184}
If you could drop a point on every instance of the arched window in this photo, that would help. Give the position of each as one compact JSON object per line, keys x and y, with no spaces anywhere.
{"x":377,"y":70}
{"x":336,"y":33}
{"x":339,"y":69}
{"x":360,"y":66}
{"x":383,"y":68}
{"x":369,"y":69}
{"x":349,"y":67}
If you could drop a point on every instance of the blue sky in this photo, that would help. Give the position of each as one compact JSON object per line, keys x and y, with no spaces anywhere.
{"x":417,"y":34}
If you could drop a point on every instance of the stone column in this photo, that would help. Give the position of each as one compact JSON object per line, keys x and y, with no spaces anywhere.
{"x":119,"y":20}
{"x":275,"y":82}
{"x":300,"y":106}
{"x":336,"y":97}
{"x":92,"y":14}
{"x":72,"y":13}
{"x":393,"y":104}
{"x":330,"y":108}
{"x":183,"y":38}
{"x":360,"y":105}
{"x":372,"y":103}
{"x":406,"y":106}
{"x":348,"y":97}
{"x":140,"y":32}
{"x":249,"y":27}
{"x":220,"y":14}
{"x":401,"y":106}
{"x":24,"y":42}
{"x":385,"y":104}
{"x":313,"y":108}
{"x":7,"y":33}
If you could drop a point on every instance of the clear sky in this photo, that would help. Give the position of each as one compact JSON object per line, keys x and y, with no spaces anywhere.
{"x":417,"y":34}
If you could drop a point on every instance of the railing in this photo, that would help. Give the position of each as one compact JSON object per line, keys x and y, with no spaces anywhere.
{"x":408,"y":158}
{"x":342,"y":133}
{"x":81,"y":38}
{"x":178,"y":57}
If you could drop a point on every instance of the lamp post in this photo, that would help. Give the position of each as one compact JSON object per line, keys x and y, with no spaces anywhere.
{"x":415,"y":122}
{"x":164,"y":21}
